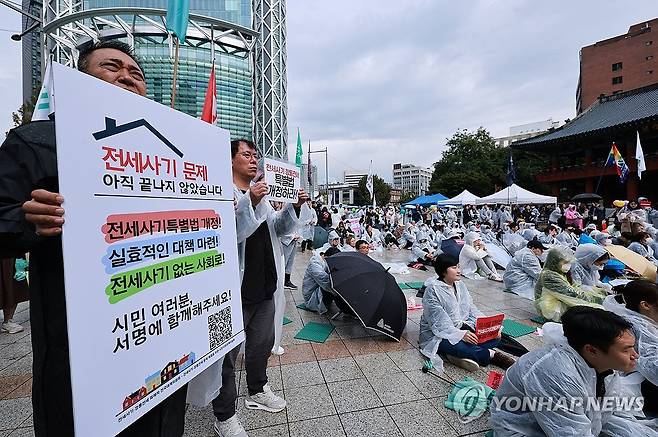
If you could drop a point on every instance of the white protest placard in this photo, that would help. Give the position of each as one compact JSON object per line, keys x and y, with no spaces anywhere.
{"x":284,"y":180}
{"x":355,"y":226}
{"x":149,"y":246}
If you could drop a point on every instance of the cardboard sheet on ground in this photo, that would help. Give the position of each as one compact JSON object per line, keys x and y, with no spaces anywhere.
{"x":633,"y":261}
{"x":149,"y":247}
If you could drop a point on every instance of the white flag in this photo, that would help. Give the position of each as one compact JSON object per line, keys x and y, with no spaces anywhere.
{"x":46,"y":102}
{"x":370,"y":184}
{"x":639,"y":155}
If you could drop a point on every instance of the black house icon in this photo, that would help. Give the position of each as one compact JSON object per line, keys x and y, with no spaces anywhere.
{"x":112,"y":129}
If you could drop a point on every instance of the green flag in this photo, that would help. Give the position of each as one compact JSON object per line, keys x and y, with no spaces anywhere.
{"x":300,"y":150}
{"x":178,"y":12}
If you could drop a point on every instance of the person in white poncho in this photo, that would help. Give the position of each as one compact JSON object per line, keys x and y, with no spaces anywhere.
{"x":571,"y":386}
{"x":521,"y":274}
{"x":475,"y":261}
{"x":590,"y":260}
{"x":316,"y":287}
{"x":637,"y":303}
{"x":259,"y":229}
{"x":447,"y":325}
{"x":422,"y":250}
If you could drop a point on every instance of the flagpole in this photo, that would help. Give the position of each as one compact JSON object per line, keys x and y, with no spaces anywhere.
{"x":605,"y":164}
{"x":173,"y":87}
{"x":212,"y":43}
{"x":600,"y":177}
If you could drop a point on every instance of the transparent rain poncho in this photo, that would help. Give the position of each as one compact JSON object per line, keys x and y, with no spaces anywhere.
{"x":554,"y":294}
{"x":522,"y":273}
{"x":444,"y":313}
{"x":646,"y":344}
{"x":550,"y":374}
{"x":316,"y":279}
{"x":583,"y":271}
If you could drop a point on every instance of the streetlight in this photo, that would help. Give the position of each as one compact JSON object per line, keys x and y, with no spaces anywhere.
{"x":326,"y":169}
{"x":19,"y":9}
{"x":19,"y":36}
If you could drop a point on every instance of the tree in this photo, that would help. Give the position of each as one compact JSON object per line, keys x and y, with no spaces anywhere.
{"x":381,"y":188}
{"x":24,"y":114}
{"x":474,"y":162}
{"x":407,"y":196}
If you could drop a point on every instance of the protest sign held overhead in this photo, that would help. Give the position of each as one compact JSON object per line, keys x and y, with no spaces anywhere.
{"x":283,"y":179}
{"x":149,"y":246}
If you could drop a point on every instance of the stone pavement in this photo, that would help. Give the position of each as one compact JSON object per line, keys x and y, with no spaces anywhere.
{"x":16,"y":378}
{"x":358,"y":383}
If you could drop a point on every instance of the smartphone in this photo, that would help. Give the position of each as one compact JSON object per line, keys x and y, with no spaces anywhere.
{"x":260,"y":175}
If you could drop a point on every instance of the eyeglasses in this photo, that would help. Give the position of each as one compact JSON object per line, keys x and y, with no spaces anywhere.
{"x":249,"y":155}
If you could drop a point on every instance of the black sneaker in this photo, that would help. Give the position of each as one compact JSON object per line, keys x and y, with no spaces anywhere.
{"x":290,"y":285}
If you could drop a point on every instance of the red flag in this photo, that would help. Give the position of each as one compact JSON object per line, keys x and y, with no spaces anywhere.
{"x":209,"y":112}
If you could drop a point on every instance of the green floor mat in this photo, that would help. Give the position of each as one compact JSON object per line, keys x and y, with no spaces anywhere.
{"x":516,"y":329}
{"x":415,"y":285}
{"x":286,"y":320}
{"x":315,"y":332}
{"x":302,"y":306}
{"x":403,"y":286}
{"x":539,"y":319}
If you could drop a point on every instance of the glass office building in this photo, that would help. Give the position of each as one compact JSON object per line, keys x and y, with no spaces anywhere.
{"x":233,"y":74}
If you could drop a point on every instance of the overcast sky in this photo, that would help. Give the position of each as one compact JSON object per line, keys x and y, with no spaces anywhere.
{"x":390,"y":80}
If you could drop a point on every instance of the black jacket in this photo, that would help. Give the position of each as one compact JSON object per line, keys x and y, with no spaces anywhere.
{"x":28,"y":161}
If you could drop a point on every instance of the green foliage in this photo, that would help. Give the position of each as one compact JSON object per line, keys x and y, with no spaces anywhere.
{"x":407,"y":196}
{"x":382,"y":192}
{"x":473,"y":162}
{"x":24,"y":114}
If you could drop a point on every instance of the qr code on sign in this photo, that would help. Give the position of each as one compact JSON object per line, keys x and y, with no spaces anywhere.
{"x":220,"y":328}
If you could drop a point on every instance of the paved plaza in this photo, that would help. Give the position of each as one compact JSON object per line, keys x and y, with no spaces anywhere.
{"x":358,"y":383}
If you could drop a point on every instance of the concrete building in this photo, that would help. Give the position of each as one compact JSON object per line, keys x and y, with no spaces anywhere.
{"x":525,"y":131}
{"x":411,"y":178}
{"x":31,"y":50}
{"x":339,"y":193}
{"x":353,"y":177}
{"x":621,"y":63}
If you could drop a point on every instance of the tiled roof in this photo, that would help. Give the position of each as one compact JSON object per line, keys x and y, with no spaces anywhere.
{"x":615,"y":112}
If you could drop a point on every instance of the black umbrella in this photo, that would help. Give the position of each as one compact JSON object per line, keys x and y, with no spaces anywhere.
{"x":586,"y":197}
{"x":370,"y":291}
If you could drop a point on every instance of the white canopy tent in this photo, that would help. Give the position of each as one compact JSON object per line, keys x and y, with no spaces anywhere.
{"x":463,"y":198}
{"x":516,"y":195}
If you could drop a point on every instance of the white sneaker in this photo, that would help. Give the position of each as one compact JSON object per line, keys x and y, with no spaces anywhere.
{"x":230,"y":428}
{"x":464,"y":363}
{"x":278,"y":351}
{"x":266,"y":400}
{"x":496,"y":277}
{"x":11,"y":327}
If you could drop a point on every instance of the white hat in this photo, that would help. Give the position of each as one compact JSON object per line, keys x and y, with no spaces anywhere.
{"x":333,"y":235}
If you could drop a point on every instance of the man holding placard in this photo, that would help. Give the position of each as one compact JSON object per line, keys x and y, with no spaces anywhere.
{"x":31,"y":219}
{"x":259,"y":229}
